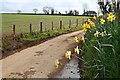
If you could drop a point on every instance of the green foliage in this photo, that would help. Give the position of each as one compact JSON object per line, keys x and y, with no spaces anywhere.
{"x":39,"y":36}
{"x":102,"y":52}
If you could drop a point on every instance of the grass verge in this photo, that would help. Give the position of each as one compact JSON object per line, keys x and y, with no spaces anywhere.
{"x":38,"y":36}
{"x":10,"y":45}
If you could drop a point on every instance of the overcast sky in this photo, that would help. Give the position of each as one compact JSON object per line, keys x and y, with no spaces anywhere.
{"x":60,"y":5}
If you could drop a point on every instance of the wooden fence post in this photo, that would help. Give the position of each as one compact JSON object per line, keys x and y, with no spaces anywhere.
{"x":13,"y":29}
{"x":52,"y":25}
{"x":60,"y":24}
{"x":76,"y":22}
{"x":40,"y":27}
{"x":30,"y":28}
{"x":82,"y":21}
{"x":69,"y":23}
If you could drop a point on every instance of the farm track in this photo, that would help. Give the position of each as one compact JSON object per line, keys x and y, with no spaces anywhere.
{"x":38,"y":61}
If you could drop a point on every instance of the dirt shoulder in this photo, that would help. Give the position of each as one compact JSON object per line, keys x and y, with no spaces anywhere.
{"x":38,"y":61}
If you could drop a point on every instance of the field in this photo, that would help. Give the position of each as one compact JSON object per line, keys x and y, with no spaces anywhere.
{"x":22,"y":22}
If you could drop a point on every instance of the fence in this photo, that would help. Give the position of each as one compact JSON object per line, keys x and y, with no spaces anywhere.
{"x":42,"y":27}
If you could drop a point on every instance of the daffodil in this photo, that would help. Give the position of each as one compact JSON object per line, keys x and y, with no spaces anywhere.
{"x":76,"y":50}
{"x":94,"y":17}
{"x":89,"y":20}
{"x":85,"y":30}
{"x":96,"y":34}
{"x":110,"y":14}
{"x":76,"y":39}
{"x":102,"y":21}
{"x":83,"y":26}
{"x":57,"y":63}
{"x":87,"y":25}
{"x":83,"y":39}
{"x":114,"y":17}
{"x":68,"y":54}
{"x":102,"y":34}
{"x":111,"y":17}
{"x":92,"y":24}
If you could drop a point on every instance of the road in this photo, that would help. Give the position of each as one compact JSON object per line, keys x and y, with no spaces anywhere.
{"x":38,"y":61}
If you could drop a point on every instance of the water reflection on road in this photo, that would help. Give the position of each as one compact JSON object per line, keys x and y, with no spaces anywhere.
{"x":70,"y":70}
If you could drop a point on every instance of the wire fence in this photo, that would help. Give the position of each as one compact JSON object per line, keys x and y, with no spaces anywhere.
{"x":43,"y":26}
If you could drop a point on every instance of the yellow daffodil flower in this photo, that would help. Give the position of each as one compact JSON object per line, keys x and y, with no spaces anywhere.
{"x":102,"y":21}
{"x":111,"y":17}
{"x":96,"y":34}
{"x":76,"y":50}
{"x":110,"y":14}
{"x":83,"y":26}
{"x":87,"y":25}
{"x":85,"y":30}
{"x":114,"y":17}
{"x":76,"y":39}
{"x":83,"y":39}
{"x":94,"y":17}
{"x":57,"y":63}
{"x":68,"y":54}
{"x":92,"y":24}
{"x":89,"y":20}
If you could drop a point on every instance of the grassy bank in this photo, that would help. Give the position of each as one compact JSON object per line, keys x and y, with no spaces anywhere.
{"x":101,"y":52}
{"x":38,"y":36}
{"x":12,"y":44}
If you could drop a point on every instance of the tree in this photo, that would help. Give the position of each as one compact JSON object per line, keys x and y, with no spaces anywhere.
{"x":35,"y":10}
{"x":52,"y":11}
{"x":59,"y":13}
{"x":76,"y":12}
{"x":71,"y":12}
{"x":19,"y":11}
{"x":109,"y":6}
{"x":47,"y":10}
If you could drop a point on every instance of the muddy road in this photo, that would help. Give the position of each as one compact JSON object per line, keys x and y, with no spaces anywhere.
{"x":38,"y":61}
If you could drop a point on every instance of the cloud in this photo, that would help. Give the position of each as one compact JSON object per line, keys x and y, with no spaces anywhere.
{"x":60,"y":5}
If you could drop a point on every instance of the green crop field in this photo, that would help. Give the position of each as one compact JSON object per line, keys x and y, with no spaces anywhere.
{"x":22,"y":22}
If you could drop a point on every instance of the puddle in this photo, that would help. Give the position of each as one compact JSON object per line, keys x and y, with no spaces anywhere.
{"x":70,"y":70}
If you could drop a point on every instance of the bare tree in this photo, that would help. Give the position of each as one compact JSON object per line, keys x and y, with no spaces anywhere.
{"x":47,"y":10}
{"x":35,"y":10}
{"x":76,"y":12}
{"x":19,"y":11}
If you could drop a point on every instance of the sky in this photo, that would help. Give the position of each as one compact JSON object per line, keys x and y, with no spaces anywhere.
{"x":60,"y":5}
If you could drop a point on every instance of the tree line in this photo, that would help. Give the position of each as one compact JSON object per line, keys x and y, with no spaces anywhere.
{"x":51,"y":10}
{"x":109,"y":6}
